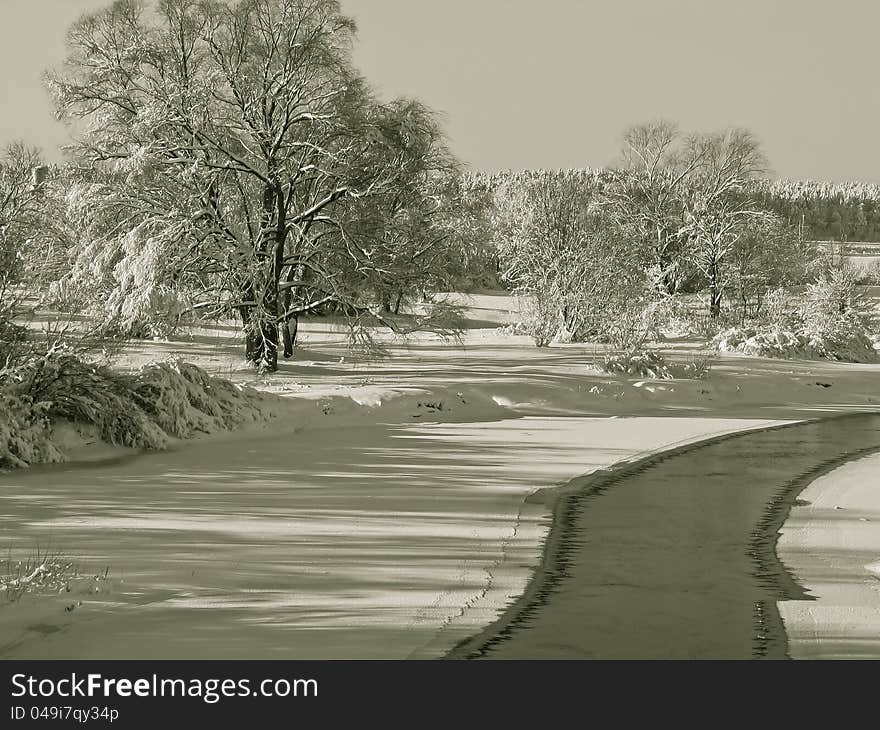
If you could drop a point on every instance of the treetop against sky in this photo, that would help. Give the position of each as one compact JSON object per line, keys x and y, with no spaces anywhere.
{"x":527,"y":84}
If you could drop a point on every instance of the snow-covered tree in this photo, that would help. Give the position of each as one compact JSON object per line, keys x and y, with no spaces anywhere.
{"x":768,"y":254}
{"x":22,"y":188}
{"x":22,"y":174}
{"x":645,"y":197}
{"x":718,"y":207}
{"x":575,"y":275}
{"x":237,"y":144}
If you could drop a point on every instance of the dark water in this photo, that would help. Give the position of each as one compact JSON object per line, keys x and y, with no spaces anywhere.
{"x":675,"y":557}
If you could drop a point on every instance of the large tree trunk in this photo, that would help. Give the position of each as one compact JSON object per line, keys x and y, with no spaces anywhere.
{"x":260,"y":338}
{"x":288,"y":331}
{"x":261,"y":345}
{"x":288,"y":335}
{"x":714,"y":292}
{"x":252,"y":346}
{"x":260,"y":331}
{"x":262,"y":335}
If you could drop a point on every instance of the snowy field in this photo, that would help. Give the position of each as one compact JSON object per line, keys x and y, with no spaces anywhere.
{"x":384,"y":513}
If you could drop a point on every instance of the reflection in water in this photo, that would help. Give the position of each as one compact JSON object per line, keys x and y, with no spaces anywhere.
{"x":675,"y":559}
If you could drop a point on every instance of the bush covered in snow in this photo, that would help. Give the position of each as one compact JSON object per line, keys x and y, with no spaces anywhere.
{"x":852,"y":344}
{"x":646,"y":364}
{"x":140,"y":410}
{"x":766,"y":341}
{"x":697,"y":367}
{"x":828,"y":321}
{"x":68,"y":387}
{"x":651,"y":364}
{"x":184,"y":400}
{"x":675,"y":317}
{"x":25,"y":433}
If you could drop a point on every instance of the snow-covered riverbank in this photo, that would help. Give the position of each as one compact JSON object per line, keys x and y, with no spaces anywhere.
{"x":831,"y":543}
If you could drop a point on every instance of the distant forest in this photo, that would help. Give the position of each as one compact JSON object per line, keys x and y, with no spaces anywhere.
{"x":826,"y":211}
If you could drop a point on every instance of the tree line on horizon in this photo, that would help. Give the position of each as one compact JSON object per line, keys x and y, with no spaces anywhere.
{"x":822,"y":210}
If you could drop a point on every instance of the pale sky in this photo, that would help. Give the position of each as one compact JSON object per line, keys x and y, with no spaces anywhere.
{"x":553,"y":83}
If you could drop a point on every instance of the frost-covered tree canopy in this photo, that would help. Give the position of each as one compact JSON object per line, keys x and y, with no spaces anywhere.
{"x":237,"y":154}
{"x":21,"y":177}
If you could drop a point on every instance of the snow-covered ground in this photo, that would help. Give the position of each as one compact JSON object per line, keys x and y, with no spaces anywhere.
{"x":831,"y":542}
{"x":384,"y":513}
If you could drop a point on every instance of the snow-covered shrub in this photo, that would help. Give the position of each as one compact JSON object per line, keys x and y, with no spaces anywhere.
{"x":140,"y":410}
{"x":733,"y":339}
{"x":644,"y":364}
{"x":582,"y":279}
{"x":623,"y":321}
{"x":828,"y":321}
{"x":697,"y":367}
{"x":666,"y":317}
{"x":835,"y":318}
{"x":25,"y":433}
{"x":70,"y":388}
{"x":651,"y":364}
{"x":781,"y":309}
{"x":184,"y":400}
{"x":537,"y":317}
{"x":674,"y":317}
{"x":764,"y":341}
